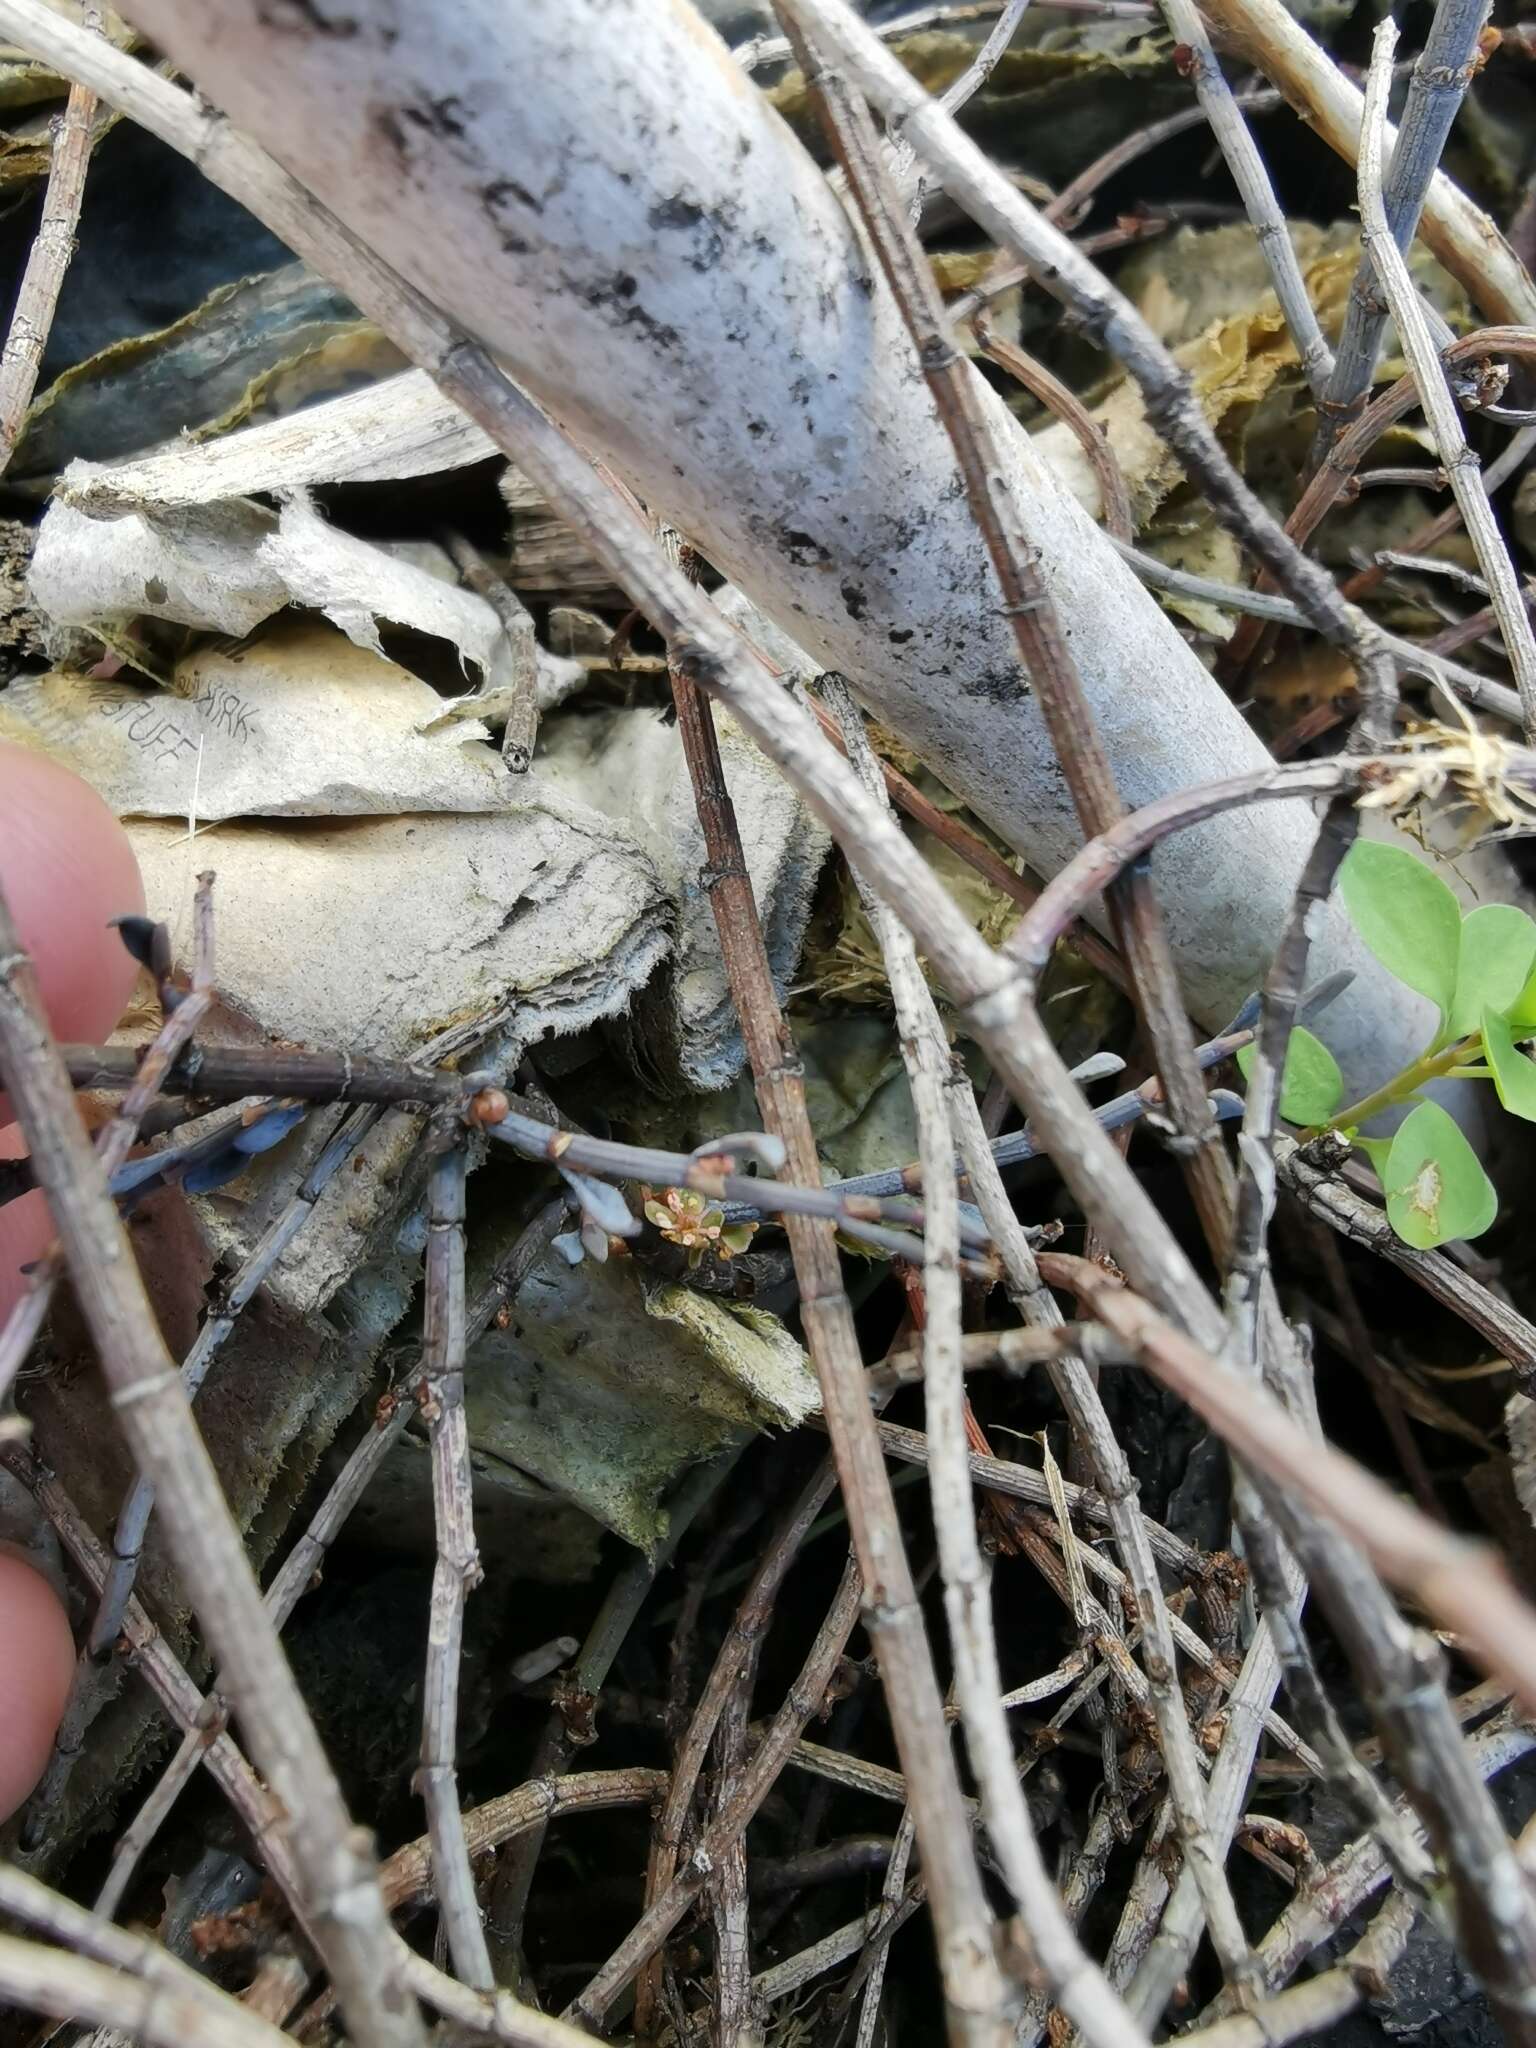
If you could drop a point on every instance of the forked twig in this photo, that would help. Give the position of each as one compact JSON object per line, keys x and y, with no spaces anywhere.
{"x":1457,"y":457}
{"x":457,"y":1571}
{"x":1195,"y":55}
{"x":1440,"y":79}
{"x":1110,"y":319}
{"x":803,"y":1700}
{"x":132,"y":1983}
{"x":1076,"y":1981}
{"x":1043,"y":647}
{"x":299,"y":1572}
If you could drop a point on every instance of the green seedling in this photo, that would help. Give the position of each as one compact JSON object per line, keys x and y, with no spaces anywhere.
{"x":1480,"y":973}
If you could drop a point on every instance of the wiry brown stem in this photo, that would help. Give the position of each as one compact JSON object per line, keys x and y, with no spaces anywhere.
{"x":1043,"y":648}
{"x":1247,"y":1273}
{"x":1110,"y":319}
{"x":52,"y":247}
{"x":738,"y":1654}
{"x":299,"y":1572}
{"x":1457,"y":457}
{"x":967,"y":1588}
{"x":457,"y":1571}
{"x":895,"y":1621}
{"x":335,"y":1862}
{"x":1330,"y":480}
{"x":804,"y":1699}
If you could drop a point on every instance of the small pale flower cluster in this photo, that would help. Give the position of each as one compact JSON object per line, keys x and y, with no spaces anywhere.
{"x":687,"y":1219}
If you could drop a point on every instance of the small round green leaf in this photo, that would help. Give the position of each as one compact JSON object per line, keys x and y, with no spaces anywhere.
{"x":1498,"y":951}
{"x":1436,"y":1189}
{"x":1513,"y":1074}
{"x":1310,"y":1091}
{"x":1406,"y":915}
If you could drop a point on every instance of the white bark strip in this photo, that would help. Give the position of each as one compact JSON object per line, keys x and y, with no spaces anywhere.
{"x":593,"y":189}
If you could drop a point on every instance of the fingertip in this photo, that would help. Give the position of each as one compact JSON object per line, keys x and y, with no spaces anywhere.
{"x":37,"y":1663}
{"x":67,"y":868}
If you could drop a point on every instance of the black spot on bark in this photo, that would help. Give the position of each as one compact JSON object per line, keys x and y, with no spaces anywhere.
{"x":497,"y":198}
{"x":675,"y":213}
{"x":387,"y":121}
{"x":803,"y":549}
{"x":706,"y":226}
{"x":443,"y":117}
{"x":856,"y":603}
{"x":899,"y":635}
{"x":307,"y":17}
{"x":757,"y":428}
{"x":1007,"y":685}
{"x":615,"y":295}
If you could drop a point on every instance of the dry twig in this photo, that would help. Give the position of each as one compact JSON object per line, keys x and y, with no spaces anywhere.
{"x":1440,"y":80}
{"x":335,"y":1862}
{"x":1457,"y":457}
{"x":52,"y":247}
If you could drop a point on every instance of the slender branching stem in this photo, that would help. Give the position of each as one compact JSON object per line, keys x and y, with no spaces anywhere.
{"x":52,"y":247}
{"x":457,"y":1570}
{"x":1457,"y":457}
{"x":1435,"y":93}
{"x":1076,"y":1982}
{"x":1197,"y":57}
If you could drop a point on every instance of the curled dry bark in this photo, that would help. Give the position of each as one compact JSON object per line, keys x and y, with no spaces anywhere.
{"x":674,"y":280}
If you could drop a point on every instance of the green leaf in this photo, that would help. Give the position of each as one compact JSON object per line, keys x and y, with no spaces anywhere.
{"x":1513,"y":1074}
{"x":1522,"y":1012}
{"x":1436,"y":1190}
{"x":1406,"y":915}
{"x":1498,"y":950}
{"x":1310,"y":1091}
